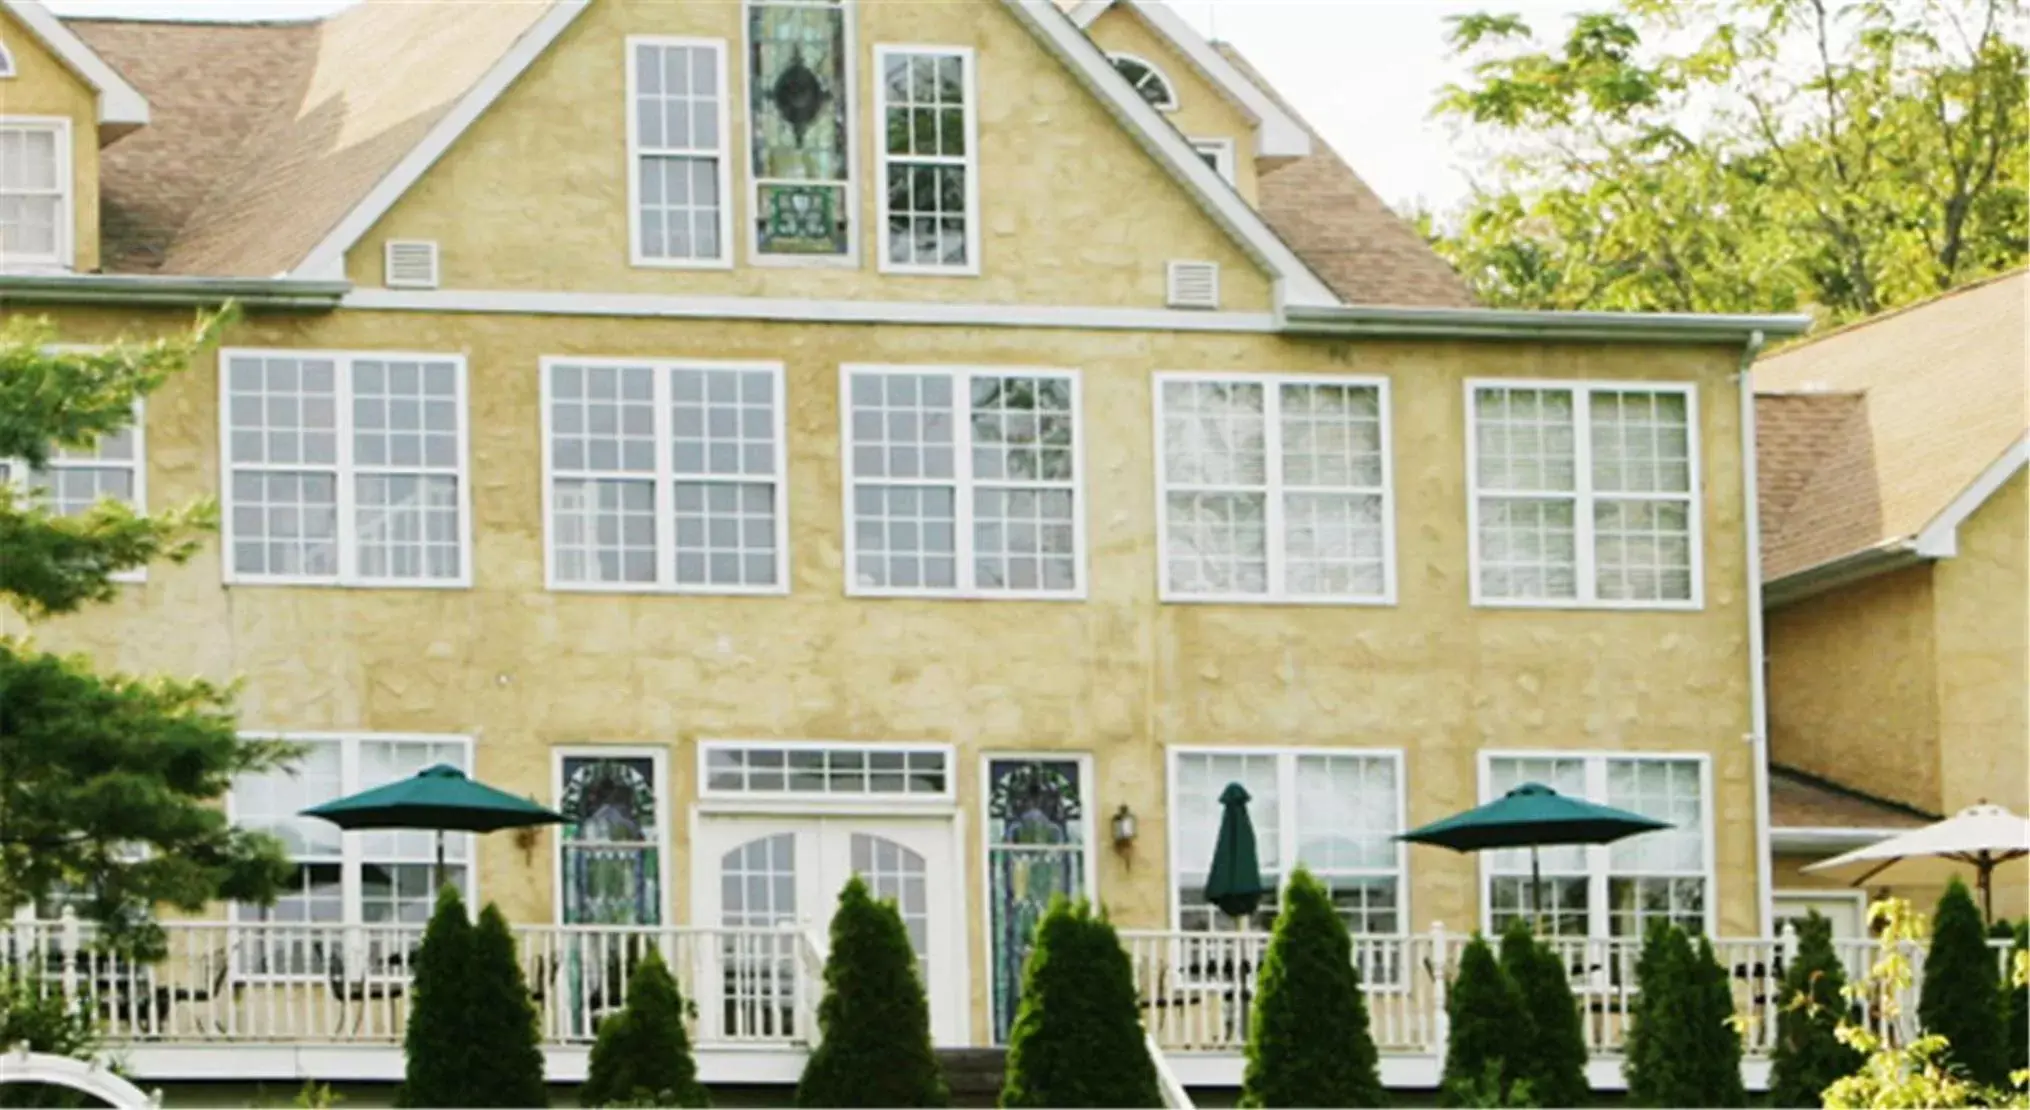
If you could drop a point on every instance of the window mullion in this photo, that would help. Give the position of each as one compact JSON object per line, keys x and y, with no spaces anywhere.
{"x":962,"y":481}
{"x":350,"y":853}
{"x":1272,"y":470}
{"x":347,"y":529}
{"x":663,"y":495}
{"x":1286,"y":820}
{"x":1597,"y":923}
{"x":1582,"y":494}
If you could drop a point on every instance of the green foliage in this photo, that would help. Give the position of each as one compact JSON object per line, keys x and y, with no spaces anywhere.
{"x":1491,"y":1031}
{"x":1555,"y":1057}
{"x":1683,"y":1047}
{"x":2016,"y":1005}
{"x":1808,"y":1054}
{"x":1077,"y":1039}
{"x":874,"y":1022}
{"x":34,"y":1012}
{"x":440,"y":1058}
{"x":1837,"y":156}
{"x":1962,"y":988}
{"x":1487,"y":1091}
{"x":500,"y":1025}
{"x":1309,"y":1045}
{"x":643,"y":1055}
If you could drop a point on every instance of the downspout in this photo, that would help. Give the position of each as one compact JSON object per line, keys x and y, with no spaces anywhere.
{"x":1758,"y":692}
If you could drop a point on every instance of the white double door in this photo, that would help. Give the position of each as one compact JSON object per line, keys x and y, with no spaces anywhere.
{"x":775,"y":871}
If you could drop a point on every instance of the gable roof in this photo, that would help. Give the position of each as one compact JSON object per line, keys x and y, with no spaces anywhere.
{"x":121,"y":107}
{"x":1876,"y":432}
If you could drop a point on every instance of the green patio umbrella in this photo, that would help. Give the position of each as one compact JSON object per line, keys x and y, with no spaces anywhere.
{"x":1234,"y":881}
{"x":440,"y":799}
{"x":1530,"y":816}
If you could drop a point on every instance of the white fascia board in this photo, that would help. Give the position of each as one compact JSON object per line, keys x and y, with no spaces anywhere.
{"x":121,"y":106}
{"x":1940,"y":538}
{"x":1295,"y":283}
{"x":1277,"y":132}
{"x":327,"y":258}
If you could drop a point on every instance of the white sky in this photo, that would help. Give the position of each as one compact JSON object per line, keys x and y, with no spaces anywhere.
{"x":1365,"y":72}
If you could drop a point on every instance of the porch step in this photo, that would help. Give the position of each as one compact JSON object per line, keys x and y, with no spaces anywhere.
{"x":971,"y":1073}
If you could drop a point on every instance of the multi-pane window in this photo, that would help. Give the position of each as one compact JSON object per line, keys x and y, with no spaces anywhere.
{"x":1275,"y":488}
{"x":665,"y":476}
{"x":1584,"y":494}
{"x":930,"y":187}
{"x":346,"y":468}
{"x":1147,"y":80}
{"x":34,"y":193}
{"x":1618,"y":889}
{"x":1332,"y":812}
{"x":963,"y":482}
{"x":76,"y":478}
{"x":677,"y":93}
{"x":374,"y":878}
{"x":819,"y":769}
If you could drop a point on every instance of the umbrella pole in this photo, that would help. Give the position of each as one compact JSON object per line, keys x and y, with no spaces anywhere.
{"x":1984,"y":874}
{"x":1537,"y":890}
{"x":437,"y":873}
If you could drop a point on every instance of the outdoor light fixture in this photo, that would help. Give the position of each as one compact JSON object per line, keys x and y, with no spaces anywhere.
{"x":1124,"y":828}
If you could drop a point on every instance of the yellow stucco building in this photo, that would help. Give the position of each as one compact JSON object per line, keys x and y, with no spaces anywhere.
{"x":943,"y":442}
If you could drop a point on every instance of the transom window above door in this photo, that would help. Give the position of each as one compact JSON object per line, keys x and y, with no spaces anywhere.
{"x":1275,"y":488}
{"x":821,"y":771}
{"x":963,"y":482}
{"x":665,"y":476}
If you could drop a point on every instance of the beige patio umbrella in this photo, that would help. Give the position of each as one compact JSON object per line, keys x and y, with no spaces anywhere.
{"x":1981,"y":836}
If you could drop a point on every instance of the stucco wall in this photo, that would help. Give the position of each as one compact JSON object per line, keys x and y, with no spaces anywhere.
{"x":1982,"y":600}
{"x":1852,"y":694}
{"x":534,"y":196}
{"x":44,"y":86}
{"x":1117,"y":675}
{"x":1203,"y":111}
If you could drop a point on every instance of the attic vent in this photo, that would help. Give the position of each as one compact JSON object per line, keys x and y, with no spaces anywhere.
{"x":411,"y":264}
{"x":1194,"y":285}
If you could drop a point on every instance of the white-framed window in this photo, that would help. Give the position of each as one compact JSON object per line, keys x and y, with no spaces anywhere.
{"x":116,"y":468}
{"x":345,"y":468}
{"x":929,"y":159}
{"x":802,"y":90}
{"x":681,"y":165}
{"x":378,"y":878}
{"x":35,"y":192}
{"x":665,"y":476}
{"x":6,"y":61}
{"x":1217,"y":153}
{"x":1584,"y":494}
{"x":818,"y":770}
{"x":1331,"y":810}
{"x":963,"y":482}
{"x":1147,"y":80}
{"x":1275,"y":487}
{"x":1612,"y":890}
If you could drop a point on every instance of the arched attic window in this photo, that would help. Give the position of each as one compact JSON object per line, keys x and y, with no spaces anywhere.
{"x":1151,"y":82}
{"x":6,"y":61}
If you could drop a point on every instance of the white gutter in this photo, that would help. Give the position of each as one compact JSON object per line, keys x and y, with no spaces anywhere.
{"x":1758,"y":692}
{"x":164,"y":289}
{"x":1503,"y":323}
{"x":1821,"y":841}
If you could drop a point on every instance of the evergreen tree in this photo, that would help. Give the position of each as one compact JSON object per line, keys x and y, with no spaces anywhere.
{"x":874,"y":1021}
{"x":2016,"y":1006}
{"x":1654,"y":1064}
{"x":1077,"y":1039}
{"x":1309,"y":1044}
{"x":1713,"y":1042}
{"x":1807,"y":1055}
{"x":1491,"y":1031}
{"x":643,"y":1054}
{"x":501,"y":1024}
{"x":439,"y":1058}
{"x":1961,"y":988}
{"x":1556,"y":1054}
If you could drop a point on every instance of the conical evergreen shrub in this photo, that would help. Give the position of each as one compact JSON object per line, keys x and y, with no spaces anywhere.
{"x":1490,"y":1032}
{"x":500,"y":1027}
{"x":2016,"y":1006}
{"x":1807,"y":1055}
{"x":1713,"y":1039}
{"x":1077,"y":1039}
{"x":439,"y":1061}
{"x":643,"y":1054}
{"x":1962,"y":986}
{"x":1683,"y":1049}
{"x":1555,"y":1058}
{"x":1309,"y":1043}
{"x":874,"y":1021}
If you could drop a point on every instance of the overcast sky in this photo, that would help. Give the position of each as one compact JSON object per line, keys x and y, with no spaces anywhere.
{"x":1364,"y":72}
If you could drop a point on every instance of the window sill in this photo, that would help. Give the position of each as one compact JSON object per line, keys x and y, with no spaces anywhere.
{"x":642,"y":263}
{"x":1169,"y":597}
{"x":879,"y":593}
{"x":653,"y":590}
{"x":347,"y":584}
{"x":1693,"y":606}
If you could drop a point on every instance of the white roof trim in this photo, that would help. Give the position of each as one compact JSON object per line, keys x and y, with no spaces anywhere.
{"x":120,"y":104}
{"x":1277,"y":132}
{"x":1940,"y":538}
{"x":327,"y":258}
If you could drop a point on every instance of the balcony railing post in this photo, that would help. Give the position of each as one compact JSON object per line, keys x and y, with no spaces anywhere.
{"x":68,"y":941}
{"x":1441,"y":1023}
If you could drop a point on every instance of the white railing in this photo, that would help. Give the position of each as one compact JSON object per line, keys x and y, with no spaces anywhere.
{"x":223,"y":982}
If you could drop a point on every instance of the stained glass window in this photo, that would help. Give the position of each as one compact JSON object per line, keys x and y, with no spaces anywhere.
{"x":798,"y":103}
{"x":611,"y":840}
{"x":1036,"y":849}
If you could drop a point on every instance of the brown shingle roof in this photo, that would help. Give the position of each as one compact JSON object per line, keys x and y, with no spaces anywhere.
{"x":1799,"y":801}
{"x":1874,"y":429}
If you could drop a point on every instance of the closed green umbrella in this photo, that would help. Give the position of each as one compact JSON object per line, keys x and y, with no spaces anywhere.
{"x":1530,"y":816}
{"x":1234,"y":881}
{"x":438,"y":798}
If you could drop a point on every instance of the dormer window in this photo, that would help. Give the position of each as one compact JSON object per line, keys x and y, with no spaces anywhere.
{"x":1151,"y":82}
{"x":35,"y":202}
